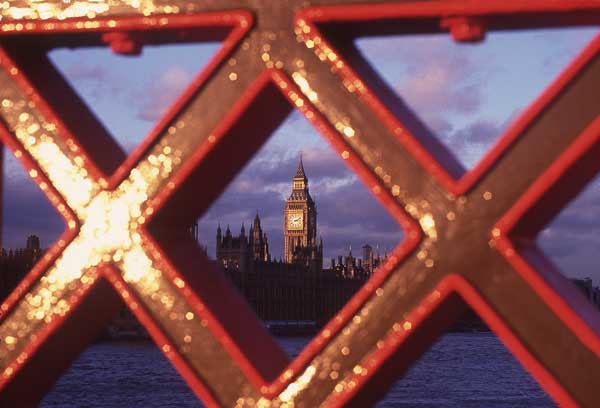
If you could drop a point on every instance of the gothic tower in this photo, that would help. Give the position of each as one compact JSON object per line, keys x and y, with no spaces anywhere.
{"x":300,"y":217}
{"x":259,"y":245}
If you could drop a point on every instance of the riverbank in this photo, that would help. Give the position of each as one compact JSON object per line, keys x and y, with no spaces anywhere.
{"x":470,"y":323}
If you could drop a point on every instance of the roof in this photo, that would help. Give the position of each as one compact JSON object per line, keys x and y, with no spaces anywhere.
{"x":300,"y":172}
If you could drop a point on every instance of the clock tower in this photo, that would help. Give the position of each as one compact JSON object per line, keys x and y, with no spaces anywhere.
{"x":300,"y":222}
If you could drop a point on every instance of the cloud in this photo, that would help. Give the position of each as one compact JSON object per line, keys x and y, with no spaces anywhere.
{"x":94,"y":82}
{"x":13,"y":172}
{"x":434,"y":76}
{"x":86,"y":72}
{"x":348,"y":215}
{"x":572,"y":239}
{"x":440,"y":84}
{"x":162,"y":93}
{"x":27,"y":211}
{"x":471,"y":142}
{"x":274,"y":166}
{"x":480,"y":131}
{"x":149,"y":99}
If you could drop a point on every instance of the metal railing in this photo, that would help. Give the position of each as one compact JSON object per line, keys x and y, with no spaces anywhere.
{"x":468,"y":235}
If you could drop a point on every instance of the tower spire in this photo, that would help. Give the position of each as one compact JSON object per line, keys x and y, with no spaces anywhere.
{"x":300,"y":172}
{"x":300,"y":221}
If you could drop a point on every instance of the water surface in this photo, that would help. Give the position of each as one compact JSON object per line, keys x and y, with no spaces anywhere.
{"x":460,"y":371}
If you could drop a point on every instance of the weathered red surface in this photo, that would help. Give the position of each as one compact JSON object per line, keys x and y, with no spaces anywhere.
{"x":478,"y":252}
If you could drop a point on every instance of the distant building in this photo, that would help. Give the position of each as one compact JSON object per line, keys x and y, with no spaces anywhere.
{"x":300,"y":225}
{"x":591,"y":292}
{"x":14,"y":264}
{"x":238,"y":251}
{"x":361,"y":268}
{"x":301,"y":247}
{"x":295,"y":287}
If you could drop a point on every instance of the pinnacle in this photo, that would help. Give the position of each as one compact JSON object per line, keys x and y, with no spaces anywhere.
{"x":300,"y":172}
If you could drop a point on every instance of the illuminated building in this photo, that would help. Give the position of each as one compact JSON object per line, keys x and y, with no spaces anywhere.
{"x":295,"y":287}
{"x":300,"y":225}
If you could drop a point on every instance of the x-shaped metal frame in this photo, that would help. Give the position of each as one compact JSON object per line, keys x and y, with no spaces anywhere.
{"x":467,"y":240}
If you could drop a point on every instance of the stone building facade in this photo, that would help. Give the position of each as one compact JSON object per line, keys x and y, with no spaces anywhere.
{"x":300,"y":225}
{"x":296,"y":287}
{"x":237,"y":251}
{"x":362,"y":268}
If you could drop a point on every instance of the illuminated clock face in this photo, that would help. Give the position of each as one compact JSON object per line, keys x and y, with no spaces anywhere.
{"x":295,"y":221}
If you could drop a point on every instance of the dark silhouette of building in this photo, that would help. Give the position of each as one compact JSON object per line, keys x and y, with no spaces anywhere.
{"x":259,"y":244}
{"x":238,"y":251}
{"x":232,"y":252}
{"x":589,"y":291}
{"x":295,"y":287}
{"x":351,"y":267}
{"x":300,"y":232}
{"x":14,"y":264}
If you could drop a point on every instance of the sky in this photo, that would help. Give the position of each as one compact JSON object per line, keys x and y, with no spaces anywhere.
{"x":467,"y":94}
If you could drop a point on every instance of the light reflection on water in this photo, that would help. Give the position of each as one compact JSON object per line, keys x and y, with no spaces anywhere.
{"x":461,"y":370}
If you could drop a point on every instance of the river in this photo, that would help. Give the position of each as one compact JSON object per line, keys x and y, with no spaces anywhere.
{"x":461,"y":370}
